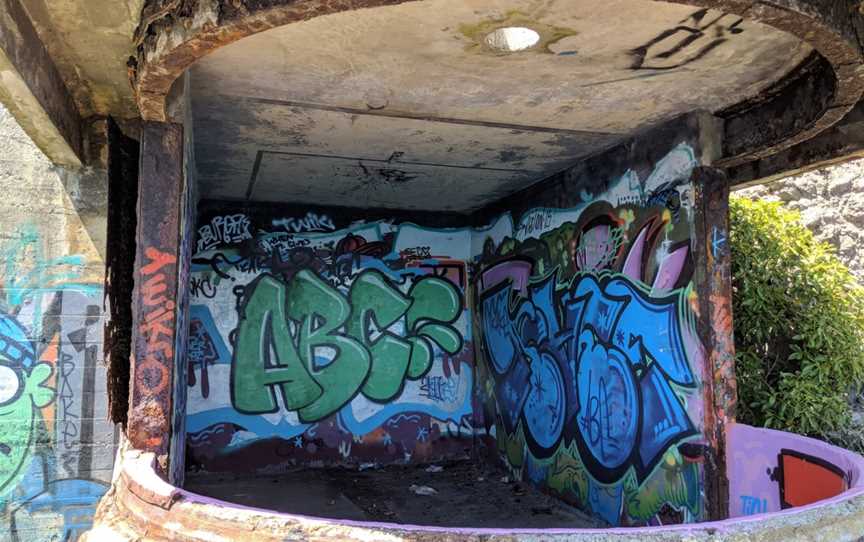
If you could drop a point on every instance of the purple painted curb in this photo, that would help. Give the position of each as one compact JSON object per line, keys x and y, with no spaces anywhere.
{"x":140,"y":469}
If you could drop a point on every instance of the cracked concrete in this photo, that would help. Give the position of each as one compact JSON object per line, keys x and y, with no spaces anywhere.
{"x":92,"y":62}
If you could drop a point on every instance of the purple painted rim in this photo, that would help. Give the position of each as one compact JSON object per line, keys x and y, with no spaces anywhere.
{"x":723,"y":525}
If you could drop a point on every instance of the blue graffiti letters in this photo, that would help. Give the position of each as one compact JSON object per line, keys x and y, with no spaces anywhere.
{"x":593,"y":362}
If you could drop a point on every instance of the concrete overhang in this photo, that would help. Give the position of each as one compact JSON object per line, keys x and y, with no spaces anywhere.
{"x":62,"y":63}
{"x":395,"y":104}
{"x":33,"y":90}
{"x":90,"y":42}
{"x":791,"y":96}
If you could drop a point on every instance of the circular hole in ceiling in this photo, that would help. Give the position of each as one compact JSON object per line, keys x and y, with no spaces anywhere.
{"x":512,"y":38}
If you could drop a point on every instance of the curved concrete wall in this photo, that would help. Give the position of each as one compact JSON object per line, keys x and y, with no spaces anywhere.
{"x":144,"y":505}
{"x":771,"y":471}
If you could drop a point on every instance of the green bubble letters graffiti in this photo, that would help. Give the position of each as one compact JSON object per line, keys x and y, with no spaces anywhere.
{"x":319,"y":347}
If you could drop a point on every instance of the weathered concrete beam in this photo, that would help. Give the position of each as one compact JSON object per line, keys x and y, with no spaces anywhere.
{"x":155,"y":309}
{"x":713,"y":275}
{"x":842,"y":142}
{"x":33,"y":90}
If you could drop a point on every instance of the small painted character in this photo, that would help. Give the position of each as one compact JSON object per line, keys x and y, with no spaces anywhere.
{"x":23,"y":391}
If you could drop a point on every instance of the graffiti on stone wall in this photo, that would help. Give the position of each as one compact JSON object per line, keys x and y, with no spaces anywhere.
{"x":56,"y":446}
{"x":349,"y":345}
{"x":804,"y":479}
{"x":224,"y":229}
{"x":588,"y":336}
{"x":354,"y":345}
{"x":155,"y":353}
{"x":309,"y":223}
{"x":329,"y":366}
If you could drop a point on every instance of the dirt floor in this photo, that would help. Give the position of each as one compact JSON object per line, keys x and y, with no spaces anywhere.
{"x":465,"y":495}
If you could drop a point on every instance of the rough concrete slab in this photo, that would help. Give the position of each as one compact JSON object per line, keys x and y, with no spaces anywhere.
{"x":466,"y":495}
{"x":90,"y":42}
{"x":304,"y":493}
{"x":143,"y":507}
{"x":332,"y":110}
{"x":32,"y":89}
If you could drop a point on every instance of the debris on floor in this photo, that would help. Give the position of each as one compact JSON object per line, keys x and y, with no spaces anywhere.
{"x":457,"y":494}
{"x":422,"y":490}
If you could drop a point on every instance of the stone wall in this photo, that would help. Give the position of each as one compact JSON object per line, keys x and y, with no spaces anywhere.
{"x":56,"y":445}
{"x":317,"y":337}
{"x":591,"y":362}
{"x":831,"y":202}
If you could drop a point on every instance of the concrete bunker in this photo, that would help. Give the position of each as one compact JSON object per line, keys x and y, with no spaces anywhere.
{"x":401,"y":247}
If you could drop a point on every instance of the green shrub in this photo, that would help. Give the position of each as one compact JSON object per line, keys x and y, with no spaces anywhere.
{"x":799,"y":322}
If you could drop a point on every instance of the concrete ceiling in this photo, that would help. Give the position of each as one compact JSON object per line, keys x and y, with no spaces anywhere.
{"x":407,"y":107}
{"x":90,"y":42}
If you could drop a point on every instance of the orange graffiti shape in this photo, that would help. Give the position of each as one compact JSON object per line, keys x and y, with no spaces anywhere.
{"x":158,"y":260}
{"x":145,"y":372}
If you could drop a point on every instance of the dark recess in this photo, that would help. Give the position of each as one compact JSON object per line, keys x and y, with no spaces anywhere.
{"x":123,"y":153}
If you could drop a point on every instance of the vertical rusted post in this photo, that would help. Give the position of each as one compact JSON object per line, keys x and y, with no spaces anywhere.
{"x":714,"y":292}
{"x":154,"y":301}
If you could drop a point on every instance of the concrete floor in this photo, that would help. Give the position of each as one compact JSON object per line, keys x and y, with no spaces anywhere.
{"x":467,"y":495}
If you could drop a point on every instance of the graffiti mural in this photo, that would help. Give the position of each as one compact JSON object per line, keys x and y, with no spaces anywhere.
{"x":312,"y":343}
{"x":589,"y":351}
{"x":56,"y":445}
{"x":366,"y":357}
{"x":565,"y":338}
